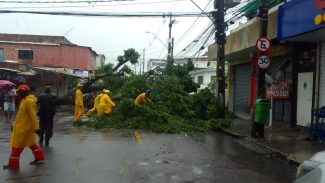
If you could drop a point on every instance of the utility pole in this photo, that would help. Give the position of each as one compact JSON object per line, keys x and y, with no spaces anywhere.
{"x":257,"y":130}
{"x":172,"y":49}
{"x":263,"y":15}
{"x":144,"y":53}
{"x":171,"y":22}
{"x":220,"y":38}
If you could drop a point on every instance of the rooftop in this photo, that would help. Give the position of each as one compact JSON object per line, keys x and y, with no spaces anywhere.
{"x":34,"y":39}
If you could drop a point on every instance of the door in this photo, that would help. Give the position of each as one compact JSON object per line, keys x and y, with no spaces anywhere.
{"x":242,"y":84}
{"x":305,"y":98}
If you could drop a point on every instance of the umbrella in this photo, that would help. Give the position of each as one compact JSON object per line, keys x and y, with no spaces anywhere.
{"x":5,"y":82}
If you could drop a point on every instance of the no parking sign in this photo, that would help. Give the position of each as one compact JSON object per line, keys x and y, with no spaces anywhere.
{"x":263,"y":44}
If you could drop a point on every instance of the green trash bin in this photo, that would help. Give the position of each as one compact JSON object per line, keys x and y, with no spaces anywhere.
{"x":262,"y":111}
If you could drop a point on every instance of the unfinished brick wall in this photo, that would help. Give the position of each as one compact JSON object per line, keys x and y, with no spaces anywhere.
{"x":70,"y":56}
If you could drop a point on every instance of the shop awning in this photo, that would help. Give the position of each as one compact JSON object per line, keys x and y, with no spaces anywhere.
{"x":57,"y":71}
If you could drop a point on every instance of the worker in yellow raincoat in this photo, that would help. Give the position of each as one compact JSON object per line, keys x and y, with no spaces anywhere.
{"x":24,"y":129}
{"x":143,"y":98}
{"x":79,"y":105}
{"x":106,"y":104}
{"x":96,"y":105}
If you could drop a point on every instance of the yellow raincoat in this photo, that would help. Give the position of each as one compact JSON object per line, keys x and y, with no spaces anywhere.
{"x":79,"y":105}
{"x":142,"y":98}
{"x":96,"y":105}
{"x":33,"y":98}
{"x":105,"y":105}
{"x":23,"y":133}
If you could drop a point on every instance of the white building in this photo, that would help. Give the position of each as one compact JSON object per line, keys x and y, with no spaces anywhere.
{"x":202,"y":74}
{"x":100,"y":60}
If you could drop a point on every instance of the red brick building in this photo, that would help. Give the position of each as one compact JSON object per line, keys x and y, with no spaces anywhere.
{"x":44,"y":60}
{"x":46,"y":51}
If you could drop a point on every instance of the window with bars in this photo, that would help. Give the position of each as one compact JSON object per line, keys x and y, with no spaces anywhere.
{"x":1,"y":54}
{"x":200,"y":80}
{"x":25,"y":54}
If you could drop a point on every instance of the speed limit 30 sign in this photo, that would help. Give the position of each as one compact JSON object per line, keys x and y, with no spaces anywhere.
{"x":264,"y":61}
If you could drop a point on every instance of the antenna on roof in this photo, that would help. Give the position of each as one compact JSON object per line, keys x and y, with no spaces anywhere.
{"x":68,"y":31}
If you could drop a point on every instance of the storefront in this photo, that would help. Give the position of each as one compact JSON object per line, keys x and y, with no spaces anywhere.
{"x":241,"y":55}
{"x":306,"y":32}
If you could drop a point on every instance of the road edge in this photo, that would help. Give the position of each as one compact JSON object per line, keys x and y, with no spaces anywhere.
{"x":281,"y":155}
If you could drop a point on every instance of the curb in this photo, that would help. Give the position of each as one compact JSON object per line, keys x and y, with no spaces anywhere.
{"x":281,"y":154}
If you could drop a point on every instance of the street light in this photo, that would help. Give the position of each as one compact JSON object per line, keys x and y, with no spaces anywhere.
{"x":157,"y":38}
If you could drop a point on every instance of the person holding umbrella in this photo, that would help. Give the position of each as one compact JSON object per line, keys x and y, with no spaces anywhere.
{"x":9,"y":101}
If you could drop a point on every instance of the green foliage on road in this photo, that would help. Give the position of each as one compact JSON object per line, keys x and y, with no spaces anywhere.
{"x":174,"y":109}
{"x":153,"y":118}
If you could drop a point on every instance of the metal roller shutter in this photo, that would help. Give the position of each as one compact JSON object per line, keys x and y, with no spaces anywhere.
{"x":281,"y":107}
{"x":322,"y":76}
{"x":242,"y":86}
{"x":231,"y":91}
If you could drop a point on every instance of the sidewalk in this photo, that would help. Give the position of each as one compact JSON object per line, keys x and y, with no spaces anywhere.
{"x":290,"y":143}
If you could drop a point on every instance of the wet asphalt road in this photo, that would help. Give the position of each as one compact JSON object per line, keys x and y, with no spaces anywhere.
{"x":128,"y":156}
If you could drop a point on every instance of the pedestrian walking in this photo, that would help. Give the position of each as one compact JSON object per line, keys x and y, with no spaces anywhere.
{"x":46,"y":112}
{"x":143,"y":98}
{"x":106,"y":104}
{"x":24,"y":129}
{"x":79,"y":105}
{"x":9,"y":102}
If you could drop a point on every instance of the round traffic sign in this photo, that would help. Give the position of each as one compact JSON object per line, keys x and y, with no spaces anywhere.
{"x":263,"y":62}
{"x":263,"y":44}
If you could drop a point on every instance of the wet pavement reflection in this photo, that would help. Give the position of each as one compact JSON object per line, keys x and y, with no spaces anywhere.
{"x":84,"y":155}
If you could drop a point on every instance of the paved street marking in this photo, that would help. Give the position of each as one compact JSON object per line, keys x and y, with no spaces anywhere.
{"x":137,"y":137}
{"x":77,"y":171}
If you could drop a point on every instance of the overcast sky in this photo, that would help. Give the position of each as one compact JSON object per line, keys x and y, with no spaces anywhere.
{"x":110,"y":36}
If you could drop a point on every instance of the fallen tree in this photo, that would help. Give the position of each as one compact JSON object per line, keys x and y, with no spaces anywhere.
{"x":130,"y":55}
{"x":106,"y":71}
{"x":174,"y":109}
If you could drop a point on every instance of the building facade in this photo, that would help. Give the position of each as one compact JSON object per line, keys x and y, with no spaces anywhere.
{"x":306,"y":31}
{"x":241,"y":56}
{"x":51,"y":60}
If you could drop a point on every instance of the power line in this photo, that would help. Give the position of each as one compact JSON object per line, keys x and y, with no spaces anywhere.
{"x":209,"y":37}
{"x":198,"y":41}
{"x":172,"y":9}
{"x":158,"y":32}
{"x":108,"y":14}
{"x":30,"y":30}
{"x":190,"y":28}
{"x":205,"y":42}
{"x":239,"y":13}
{"x":61,"y":2}
{"x":90,"y":5}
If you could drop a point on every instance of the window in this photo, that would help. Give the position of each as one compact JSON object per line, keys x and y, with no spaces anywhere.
{"x":200,"y":80}
{"x":25,"y":54}
{"x":1,"y":54}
